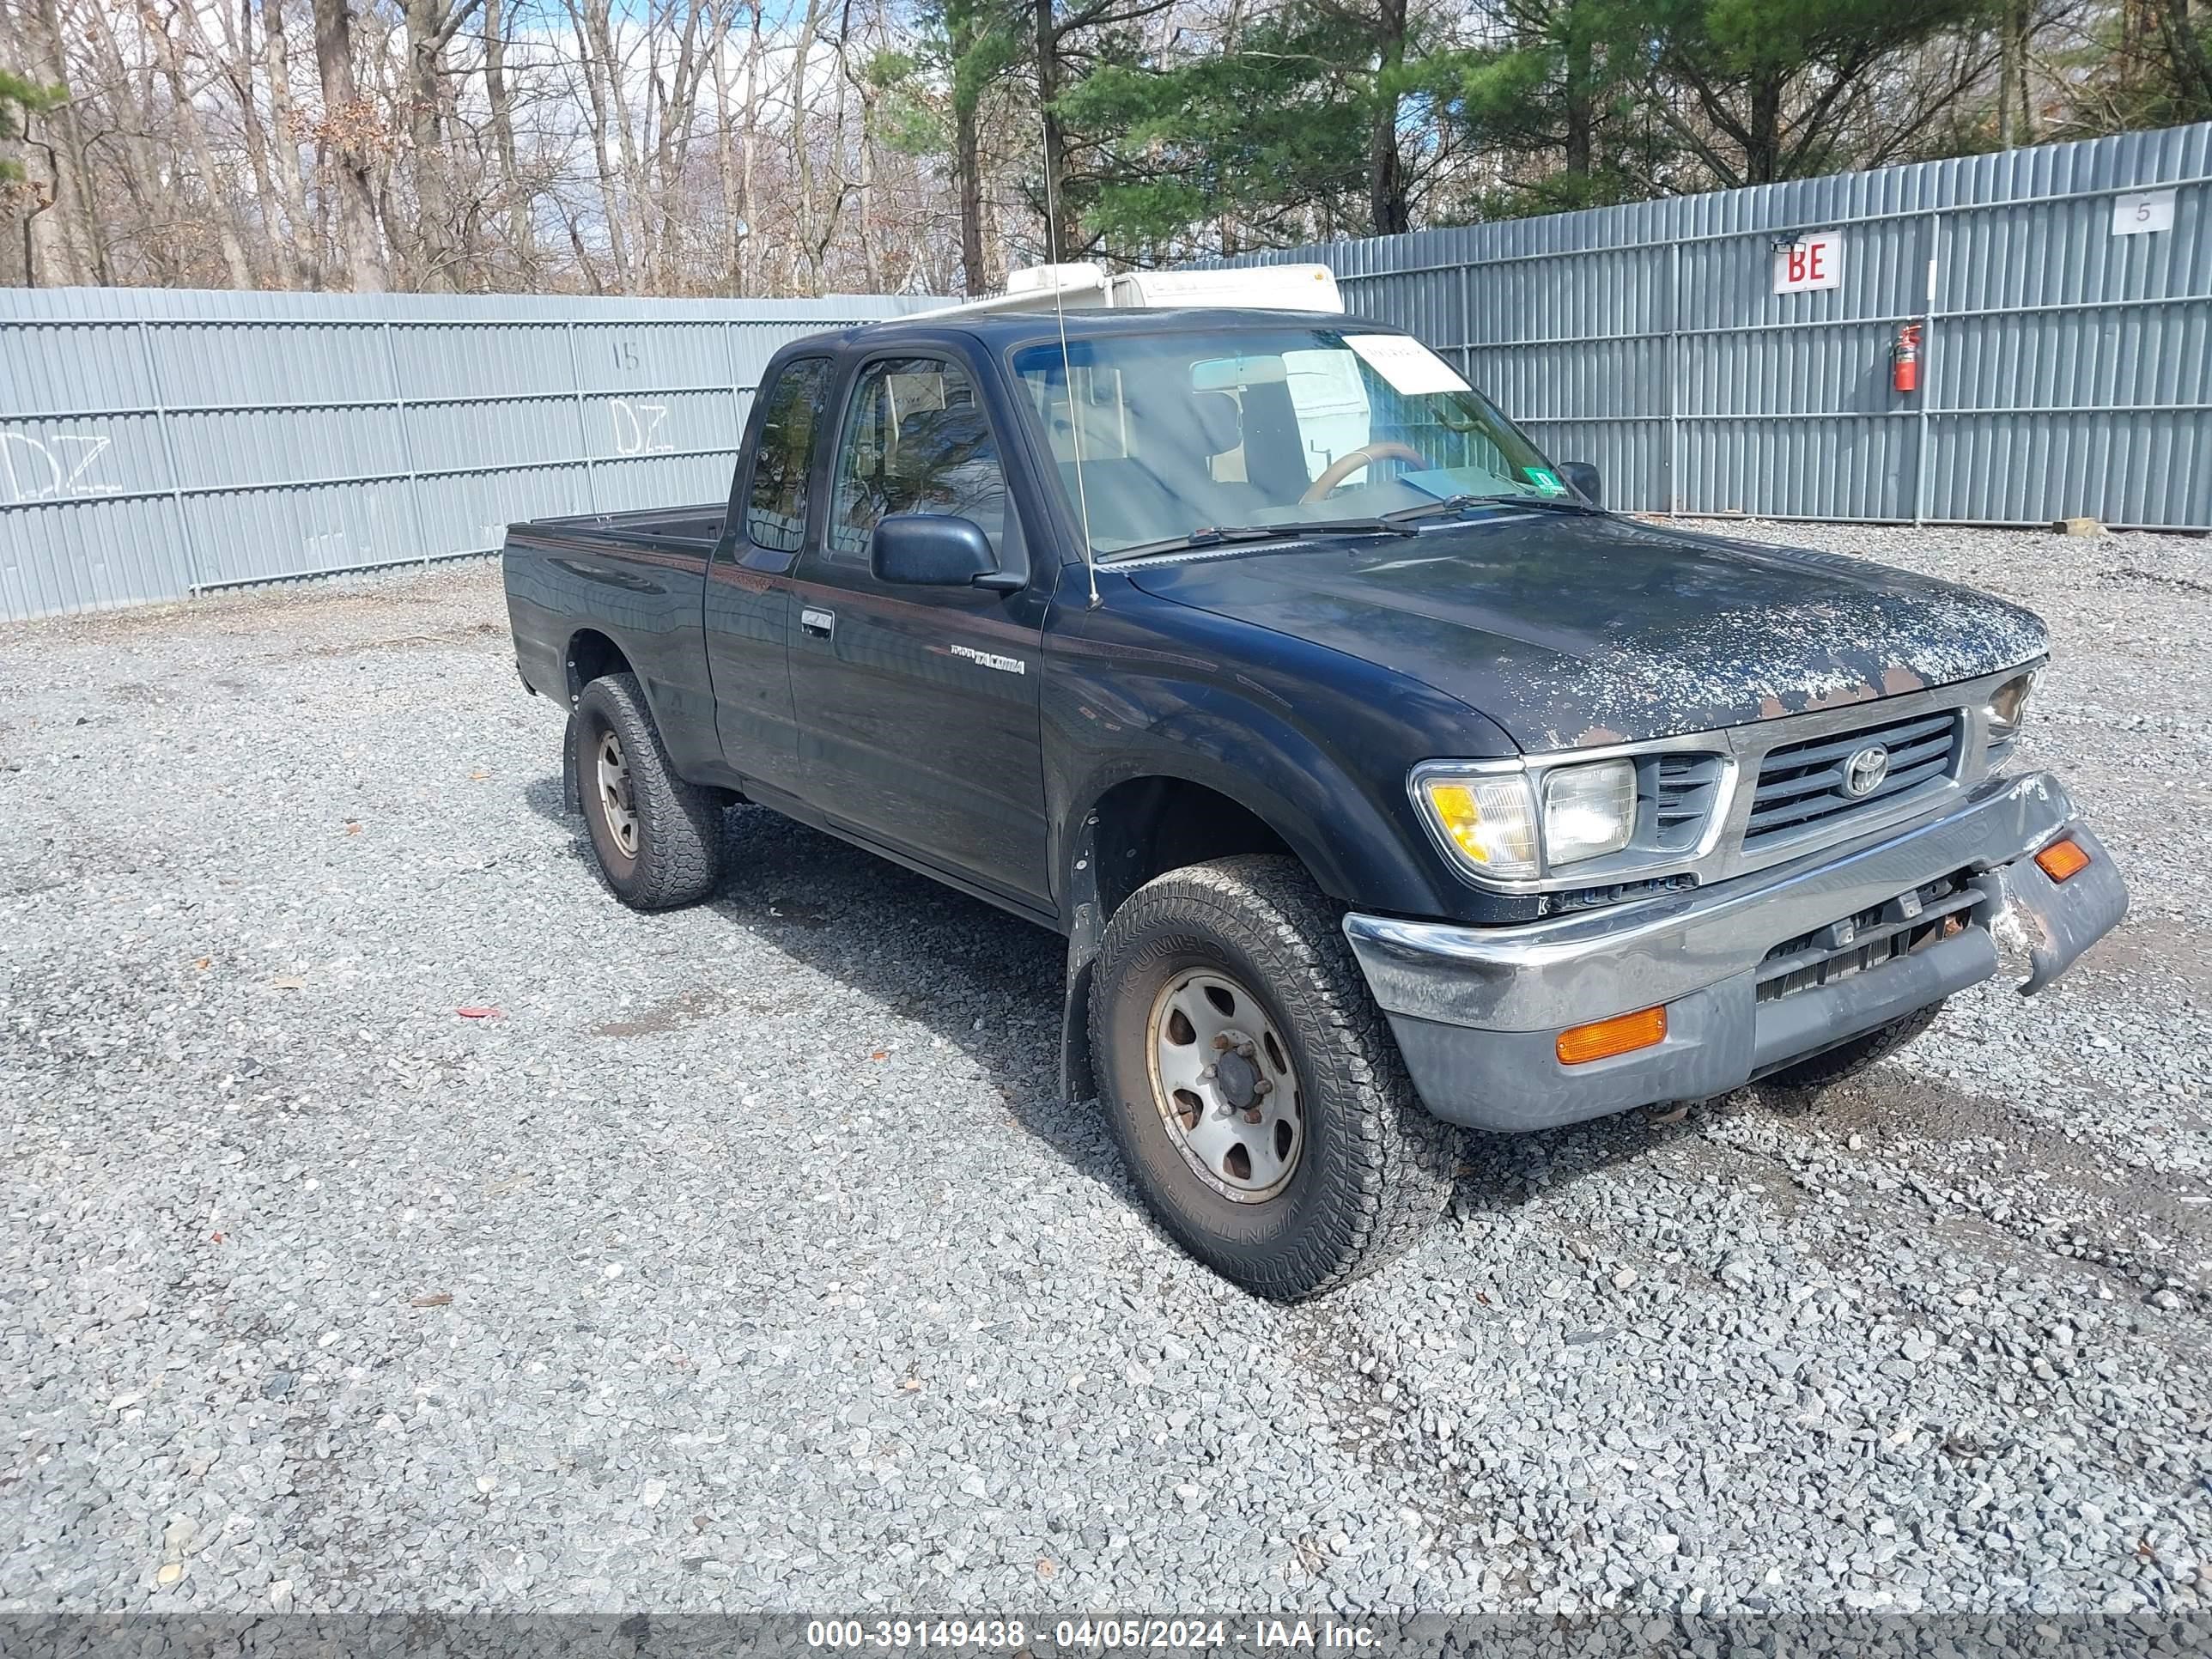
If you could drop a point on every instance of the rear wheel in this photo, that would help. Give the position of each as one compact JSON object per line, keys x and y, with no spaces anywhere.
{"x":658,"y":839}
{"x":1252,"y":1084}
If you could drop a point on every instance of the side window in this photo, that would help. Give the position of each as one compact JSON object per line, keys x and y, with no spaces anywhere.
{"x":775,"y":511}
{"x":917,"y":440}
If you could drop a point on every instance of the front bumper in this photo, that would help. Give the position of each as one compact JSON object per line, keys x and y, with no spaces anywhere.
{"x":1477,"y":1012}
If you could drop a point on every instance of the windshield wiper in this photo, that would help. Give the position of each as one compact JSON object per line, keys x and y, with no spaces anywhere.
{"x":1215,"y":535}
{"x":1462,"y":503}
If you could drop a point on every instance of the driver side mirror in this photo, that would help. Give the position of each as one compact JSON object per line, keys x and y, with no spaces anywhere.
{"x":935,"y":550}
{"x":1584,"y":478}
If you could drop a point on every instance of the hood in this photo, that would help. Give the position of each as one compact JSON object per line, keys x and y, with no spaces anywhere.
{"x":1572,"y":632}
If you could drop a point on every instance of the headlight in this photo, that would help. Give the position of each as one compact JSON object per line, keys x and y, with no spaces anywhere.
{"x":2009,"y":704}
{"x":1588,"y":810}
{"x":1490,"y":820}
{"x":1495,"y":824}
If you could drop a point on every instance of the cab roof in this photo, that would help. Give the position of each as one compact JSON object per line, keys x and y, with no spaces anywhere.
{"x":1000,"y":330}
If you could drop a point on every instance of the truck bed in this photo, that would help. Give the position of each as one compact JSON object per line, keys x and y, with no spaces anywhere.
{"x":700,"y":524}
{"x":636,"y":578}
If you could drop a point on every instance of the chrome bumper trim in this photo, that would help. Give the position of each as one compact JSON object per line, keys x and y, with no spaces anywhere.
{"x":1548,"y":974}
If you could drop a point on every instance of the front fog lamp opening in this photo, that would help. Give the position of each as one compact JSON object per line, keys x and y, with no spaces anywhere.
{"x":1490,"y":820}
{"x":1588,"y":810}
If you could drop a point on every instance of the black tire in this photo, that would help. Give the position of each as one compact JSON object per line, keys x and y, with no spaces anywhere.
{"x":675,"y":830}
{"x":1374,"y":1168}
{"x":1809,"y":1078}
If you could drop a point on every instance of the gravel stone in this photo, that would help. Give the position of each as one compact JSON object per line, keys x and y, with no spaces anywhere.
{"x":746,"y":1258}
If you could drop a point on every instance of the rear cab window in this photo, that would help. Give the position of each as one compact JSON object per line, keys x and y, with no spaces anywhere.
{"x":775,"y":502}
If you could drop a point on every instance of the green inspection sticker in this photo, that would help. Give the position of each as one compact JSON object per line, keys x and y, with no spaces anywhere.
{"x":1548,"y":481}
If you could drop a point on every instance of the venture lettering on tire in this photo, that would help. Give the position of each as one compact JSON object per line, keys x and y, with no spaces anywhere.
{"x":1340,"y":1177}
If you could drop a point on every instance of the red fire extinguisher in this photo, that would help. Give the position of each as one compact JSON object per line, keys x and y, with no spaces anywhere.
{"x":1905,"y":359}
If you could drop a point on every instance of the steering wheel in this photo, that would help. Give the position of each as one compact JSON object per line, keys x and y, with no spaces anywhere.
{"x":1350,"y":462}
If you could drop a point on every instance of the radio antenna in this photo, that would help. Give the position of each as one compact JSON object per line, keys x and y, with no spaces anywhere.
{"x":1054,"y":250}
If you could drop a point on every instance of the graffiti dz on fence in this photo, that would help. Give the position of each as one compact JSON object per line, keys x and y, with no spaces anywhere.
{"x":58,"y":466}
{"x":639,"y":428}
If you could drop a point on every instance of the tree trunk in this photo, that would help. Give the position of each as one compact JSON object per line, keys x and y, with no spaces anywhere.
{"x":433,"y":252}
{"x":967,"y":151}
{"x":678,"y":120}
{"x":521,"y":235}
{"x":1579,"y":103}
{"x":1062,"y":228}
{"x":726,"y":175}
{"x":2188,"y":46}
{"x":609,"y":192}
{"x":968,"y":167}
{"x":348,"y":120}
{"x":284,"y":125}
{"x":142,"y":175}
{"x":2008,"y":80}
{"x":271,"y":269}
{"x":748,"y":246}
{"x":871,"y":264}
{"x":1762,"y":150}
{"x":1385,"y":169}
{"x":65,"y":246}
{"x":186,"y":114}
{"x":812,"y":239}
{"x":637,"y":228}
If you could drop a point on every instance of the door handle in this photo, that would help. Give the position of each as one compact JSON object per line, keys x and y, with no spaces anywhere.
{"x":820,"y":624}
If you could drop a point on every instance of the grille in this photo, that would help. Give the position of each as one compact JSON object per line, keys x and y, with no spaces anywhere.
{"x":1682,"y":789}
{"x":1867,"y":940}
{"x":1802,"y":784}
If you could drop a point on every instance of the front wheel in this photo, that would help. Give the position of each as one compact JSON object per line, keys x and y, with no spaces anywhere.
{"x":1252,"y":1084}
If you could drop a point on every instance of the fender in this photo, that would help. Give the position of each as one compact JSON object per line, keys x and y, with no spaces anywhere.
{"x":1142,"y":686}
{"x":1357,"y":852}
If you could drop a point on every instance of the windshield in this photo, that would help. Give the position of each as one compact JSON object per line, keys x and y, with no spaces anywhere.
{"x":1183,"y":434}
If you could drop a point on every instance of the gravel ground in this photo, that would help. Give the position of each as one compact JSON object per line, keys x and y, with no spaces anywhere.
{"x":746,"y":1259}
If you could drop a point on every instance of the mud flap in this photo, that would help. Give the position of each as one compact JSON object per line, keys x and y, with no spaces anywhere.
{"x":571,"y":794}
{"x":2050,"y":923}
{"x":1079,"y":1081}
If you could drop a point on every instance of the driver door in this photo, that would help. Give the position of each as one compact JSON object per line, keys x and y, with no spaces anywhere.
{"x":917,"y":707}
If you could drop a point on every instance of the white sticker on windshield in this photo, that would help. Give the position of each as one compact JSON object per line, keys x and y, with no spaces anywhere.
{"x":1409,"y":365}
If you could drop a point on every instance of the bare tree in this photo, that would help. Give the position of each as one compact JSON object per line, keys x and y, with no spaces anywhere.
{"x":351,"y":133}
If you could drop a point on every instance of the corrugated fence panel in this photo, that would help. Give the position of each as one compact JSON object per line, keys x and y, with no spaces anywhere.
{"x":155,"y":443}
{"x":464,"y":510}
{"x":90,"y":552}
{"x":75,"y":458}
{"x":2066,"y":363}
{"x":59,"y":367}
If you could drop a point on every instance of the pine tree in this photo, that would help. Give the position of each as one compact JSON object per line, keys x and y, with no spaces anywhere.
{"x":20,"y":98}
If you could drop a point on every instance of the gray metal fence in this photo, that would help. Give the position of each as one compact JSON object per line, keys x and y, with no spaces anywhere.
{"x":2065,"y":294}
{"x":155,"y":444}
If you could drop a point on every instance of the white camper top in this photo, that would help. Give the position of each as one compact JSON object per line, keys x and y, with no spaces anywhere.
{"x":1091,"y":287}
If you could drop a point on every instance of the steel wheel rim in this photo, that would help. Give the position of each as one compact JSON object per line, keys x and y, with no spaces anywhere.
{"x":1223,"y":1081}
{"x":615,"y":802}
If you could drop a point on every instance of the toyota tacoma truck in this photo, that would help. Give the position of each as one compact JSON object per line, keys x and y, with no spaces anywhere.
{"x":1380,"y":781}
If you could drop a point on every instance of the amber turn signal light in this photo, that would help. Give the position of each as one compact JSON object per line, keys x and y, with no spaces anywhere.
{"x":2063,"y":859}
{"x":1604,"y":1038}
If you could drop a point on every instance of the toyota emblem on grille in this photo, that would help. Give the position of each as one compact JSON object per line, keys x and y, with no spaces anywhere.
{"x":1864,"y":771}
